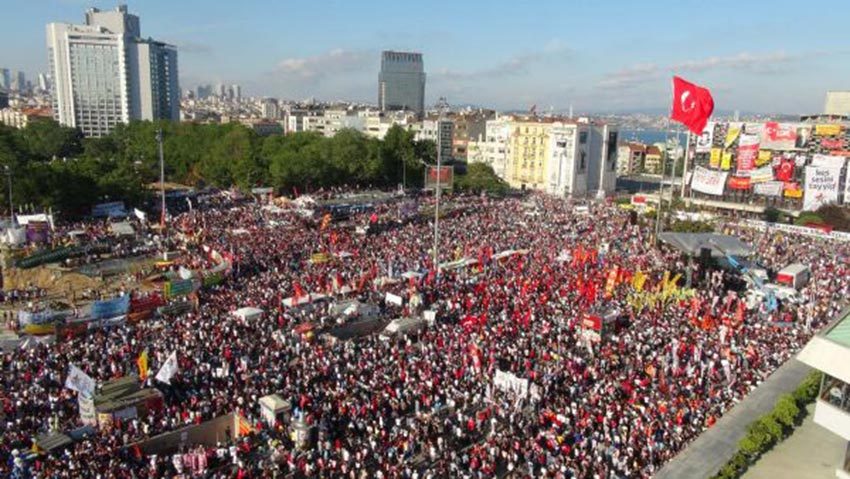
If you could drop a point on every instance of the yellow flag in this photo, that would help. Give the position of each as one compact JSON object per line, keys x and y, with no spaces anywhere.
{"x":726,"y":161}
{"x":142,"y":363}
{"x":714,"y":159}
{"x":639,"y":280}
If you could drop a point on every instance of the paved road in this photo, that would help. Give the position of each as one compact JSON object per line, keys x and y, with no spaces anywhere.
{"x":713,"y":448}
{"x":811,"y":452}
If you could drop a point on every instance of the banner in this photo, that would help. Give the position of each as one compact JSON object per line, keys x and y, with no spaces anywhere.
{"x":88,"y":416}
{"x":739,"y":183}
{"x":832,"y":143}
{"x":714,"y":158}
{"x":707,"y":181}
{"x":828,"y":161}
{"x":792,"y":190}
{"x":168,"y":369}
{"x":141,"y":215}
{"x":726,"y":161}
{"x":509,"y":382}
{"x":748,"y":150}
{"x":705,"y":140}
{"x":110,"y":308}
{"x":79,"y":381}
{"x":446,"y":177}
{"x":754,"y":128}
{"x":768,"y":188}
{"x":732,"y":134}
{"x":778,"y":136}
{"x":821,"y":186}
{"x":763,"y":158}
{"x":786,"y":169}
{"x":760,"y":175}
{"x":804,"y":134}
{"x":38,"y":232}
{"x":827,"y":130}
{"x":177,"y":288}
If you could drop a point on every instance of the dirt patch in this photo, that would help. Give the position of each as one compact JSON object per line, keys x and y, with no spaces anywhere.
{"x":53,"y":280}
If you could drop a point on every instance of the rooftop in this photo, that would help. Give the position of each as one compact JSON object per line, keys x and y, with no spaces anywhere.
{"x":840,"y":331}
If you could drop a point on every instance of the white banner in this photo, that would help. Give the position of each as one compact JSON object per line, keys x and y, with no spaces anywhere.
{"x":821,"y":186}
{"x":828,"y":161}
{"x":510,"y":383}
{"x":168,"y":369}
{"x":140,"y":214}
{"x":760,"y":175}
{"x":79,"y":381}
{"x":708,"y":181}
{"x":768,"y":188}
{"x":705,"y":139}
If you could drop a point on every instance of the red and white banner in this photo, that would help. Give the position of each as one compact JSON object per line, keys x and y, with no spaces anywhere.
{"x":778,"y":136}
{"x":708,"y":181}
{"x":739,"y":183}
{"x":748,"y":152}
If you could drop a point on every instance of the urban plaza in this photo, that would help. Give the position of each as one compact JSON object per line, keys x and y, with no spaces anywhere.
{"x":216,"y":284}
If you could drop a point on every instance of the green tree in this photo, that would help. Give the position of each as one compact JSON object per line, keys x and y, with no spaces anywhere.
{"x":480,"y":177}
{"x":45,"y":139}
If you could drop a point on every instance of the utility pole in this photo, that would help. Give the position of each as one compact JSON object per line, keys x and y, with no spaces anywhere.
{"x":442,"y":105}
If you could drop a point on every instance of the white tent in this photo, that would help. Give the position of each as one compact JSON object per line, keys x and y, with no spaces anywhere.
{"x":271,"y":406}
{"x":248,"y":313}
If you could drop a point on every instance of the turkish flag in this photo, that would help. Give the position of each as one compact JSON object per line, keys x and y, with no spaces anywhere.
{"x":692,"y":105}
{"x":785,"y":171}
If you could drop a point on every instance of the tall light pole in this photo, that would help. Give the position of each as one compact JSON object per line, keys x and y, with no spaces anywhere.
{"x":161,"y":179}
{"x":441,"y":107}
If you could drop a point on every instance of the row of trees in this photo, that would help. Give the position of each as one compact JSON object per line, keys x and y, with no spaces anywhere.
{"x":54,"y":166}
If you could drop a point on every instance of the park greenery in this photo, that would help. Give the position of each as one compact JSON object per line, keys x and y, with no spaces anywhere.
{"x":771,"y":428}
{"x":55,"y":167}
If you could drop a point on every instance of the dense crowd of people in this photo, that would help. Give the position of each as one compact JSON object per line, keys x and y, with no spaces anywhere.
{"x":426,"y":405}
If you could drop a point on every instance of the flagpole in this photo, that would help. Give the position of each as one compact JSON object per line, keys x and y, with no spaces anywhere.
{"x":663,"y":171}
{"x":687,"y":155}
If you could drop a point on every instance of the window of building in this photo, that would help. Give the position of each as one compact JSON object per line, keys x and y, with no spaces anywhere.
{"x":582,"y":137}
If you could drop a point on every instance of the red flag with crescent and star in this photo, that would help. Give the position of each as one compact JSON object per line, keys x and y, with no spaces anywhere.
{"x":692,"y":105}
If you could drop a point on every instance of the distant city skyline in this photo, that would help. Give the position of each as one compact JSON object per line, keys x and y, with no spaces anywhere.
{"x":611,"y":57}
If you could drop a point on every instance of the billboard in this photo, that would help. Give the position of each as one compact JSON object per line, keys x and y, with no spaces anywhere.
{"x":445,"y":177}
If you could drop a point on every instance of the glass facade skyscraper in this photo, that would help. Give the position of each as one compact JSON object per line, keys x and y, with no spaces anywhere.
{"x":401,"y":82}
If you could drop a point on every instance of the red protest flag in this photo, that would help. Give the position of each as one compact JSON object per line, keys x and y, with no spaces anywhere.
{"x":692,"y":105}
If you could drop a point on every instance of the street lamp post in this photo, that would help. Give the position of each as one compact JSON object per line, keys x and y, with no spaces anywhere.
{"x":11,"y":206}
{"x":161,"y":179}
{"x":441,"y":105}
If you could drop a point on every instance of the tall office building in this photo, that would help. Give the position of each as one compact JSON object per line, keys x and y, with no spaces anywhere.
{"x":5,"y":78}
{"x":19,"y":81}
{"x":401,"y":82}
{"x":236,"y":92}
{"x":104,"y":73}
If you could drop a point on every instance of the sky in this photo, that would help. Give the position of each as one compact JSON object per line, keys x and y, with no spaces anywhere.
{"x":599,"y":56}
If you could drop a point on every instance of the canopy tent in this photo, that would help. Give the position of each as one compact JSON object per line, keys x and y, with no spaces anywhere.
{"x":692,"y":243}
{"x":248,"y":313}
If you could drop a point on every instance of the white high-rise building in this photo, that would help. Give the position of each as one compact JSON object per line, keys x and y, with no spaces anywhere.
{"x":104,"y":73}
{"x":270,"y":109}
{"x":236,"y":92}
{"x":5,"y":78}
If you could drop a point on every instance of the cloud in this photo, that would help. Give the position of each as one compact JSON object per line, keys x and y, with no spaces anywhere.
{"x":514,"y":65}
{"x":316,"y":67}
{"x":759,"y":63}
{"x":630,"y":77}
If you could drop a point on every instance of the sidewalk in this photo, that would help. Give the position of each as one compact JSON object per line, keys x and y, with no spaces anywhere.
{"x":714,"y":447}
{"x":811,"y":452}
